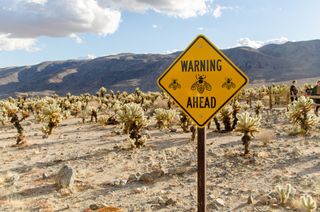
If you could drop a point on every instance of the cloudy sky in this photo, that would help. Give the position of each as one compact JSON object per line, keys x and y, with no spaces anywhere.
{"x":32,"y":31}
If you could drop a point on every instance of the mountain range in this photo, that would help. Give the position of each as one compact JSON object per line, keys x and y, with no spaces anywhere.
{"x":270,"y":63}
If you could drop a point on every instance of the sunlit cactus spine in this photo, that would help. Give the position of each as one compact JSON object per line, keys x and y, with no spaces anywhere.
{"x":51,"y":114}
{"x":258,"y":107}
{"x":216,"y":122}
{"x":3,"y":115}
{"x":165,"y":118}
{"x":185,"y":122}
{"x":131,"y":115}
{"x":235,"y":110}
{"x":13,"y":114}
{"x":284,"y":193}
{"x":102,"y":91}
{"x":300,"y":114}
{"x":247,"y":125}
{"x":226,"y":117}
{"x":93,"y":114}
{"x":76,"y":108}
{"x":308,"y":203}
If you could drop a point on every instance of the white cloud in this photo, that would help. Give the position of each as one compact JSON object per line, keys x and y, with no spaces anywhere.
{"x":23,"y":21}
{"x":8,"y":43}
{"x":258,"y":44}
{"x":56,"y":18}
{"x":176,"y":8}
{"x":200,"y":28}
{"x":217,"y":12}
{"x":76,"y":38}
{"x":155,"y":26}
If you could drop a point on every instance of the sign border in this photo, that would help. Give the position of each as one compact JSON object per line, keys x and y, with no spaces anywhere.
{"x":224,"y":57}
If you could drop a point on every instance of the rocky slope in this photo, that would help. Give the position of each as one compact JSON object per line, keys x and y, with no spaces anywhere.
{"x":270,"y":63}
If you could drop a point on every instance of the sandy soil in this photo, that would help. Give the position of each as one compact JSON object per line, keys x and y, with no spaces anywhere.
{"x":103,"y":162}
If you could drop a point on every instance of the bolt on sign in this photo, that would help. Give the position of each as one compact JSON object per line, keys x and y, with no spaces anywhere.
{"x":202,"y":80}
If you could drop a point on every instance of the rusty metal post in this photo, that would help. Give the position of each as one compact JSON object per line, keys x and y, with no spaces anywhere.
{"x":202,"y":169}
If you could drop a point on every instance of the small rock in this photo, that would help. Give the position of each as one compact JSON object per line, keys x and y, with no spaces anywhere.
{"x":152,"y":176}
{"x":211,"y":197}
{"x":160,"y":201}
{"x":45,"y":176}
{"x":116,"y":182}
{"x":173,"y":130}
{"x":13,"y":178}
{"x":140,"y":190}
{"x":220,"y":202}
{"x":123,"y":182}
{"x":171,"y":201}
{"x":177,"y":170}
{"x":94,"y":207}
{"x":132,"y":178}
{"x":250,"y":200}
{"x":65,"y":177}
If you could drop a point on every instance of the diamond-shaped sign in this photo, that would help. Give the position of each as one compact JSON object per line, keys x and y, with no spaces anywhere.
{"x":202,"y":80}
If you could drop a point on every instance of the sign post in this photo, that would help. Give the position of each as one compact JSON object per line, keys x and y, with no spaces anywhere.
{"x":202,"y":169}
{"x":202,"y":80}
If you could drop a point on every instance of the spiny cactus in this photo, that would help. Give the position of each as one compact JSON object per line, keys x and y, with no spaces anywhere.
{"x":258,"y":107}
{"x":308,"y":203}
{"x":165,"y":118}
{"x":185,"y":122}
{"x":235,"y":110}
{"x":247,"y":125}
{"x":51,"y":114}
{"x":13,"y":113}
{"x":300,"y":114}
{"x":3,"y":115}
{"x":216,"y":122}
{"x":132,"y":116}
{"x":226,"y":117}
{"x":102,"y":91}
{"x":284,"y":193}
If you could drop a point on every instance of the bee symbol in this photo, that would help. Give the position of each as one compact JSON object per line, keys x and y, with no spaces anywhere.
{"x":228,"y":84}
{"x":174,"y":84}
{"x":200,"y":84}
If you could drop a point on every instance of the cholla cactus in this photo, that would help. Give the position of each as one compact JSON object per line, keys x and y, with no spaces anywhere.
{"x":3,"y":115}
{"x":165,"y":118}
{"x":185,"y":122}
{"x":132,"y":116}
{"x":258,"y":106}
{"x":84,"y":114}
{"x":102,"y":91}
{"x":226,"y":117}
{"x":300,"y":114}
{"x":76,"y":108}
{"x":51,"y":114}
{"x":308,"y":203}
{"x":284,"y":193}
{"x":13,"y":114}
{"x":235,"y":110}
{"x":247,"y":125}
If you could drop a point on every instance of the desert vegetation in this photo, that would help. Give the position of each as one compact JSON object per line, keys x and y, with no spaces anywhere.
{"x":140,"y":145}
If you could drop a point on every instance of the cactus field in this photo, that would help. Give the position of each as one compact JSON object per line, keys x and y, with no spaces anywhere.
{"x":138,"y":152}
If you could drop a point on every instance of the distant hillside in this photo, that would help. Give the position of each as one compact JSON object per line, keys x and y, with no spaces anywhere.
{"x":270,"y":63}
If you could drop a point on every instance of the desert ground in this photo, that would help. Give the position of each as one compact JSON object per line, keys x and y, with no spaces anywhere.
{"x":108,"y":172}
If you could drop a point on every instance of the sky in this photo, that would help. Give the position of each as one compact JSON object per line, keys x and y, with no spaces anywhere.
{"x":33,"y":31}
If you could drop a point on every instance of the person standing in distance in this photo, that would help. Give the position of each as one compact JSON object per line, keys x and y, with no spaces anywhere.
{"x":293,"y":91}
{"x":316,"y":92}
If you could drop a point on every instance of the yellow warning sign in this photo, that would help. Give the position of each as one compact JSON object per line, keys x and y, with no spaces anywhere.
{"x":202,"y":80}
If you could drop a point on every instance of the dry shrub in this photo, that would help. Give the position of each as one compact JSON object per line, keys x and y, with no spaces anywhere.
{"x":265,"y":136}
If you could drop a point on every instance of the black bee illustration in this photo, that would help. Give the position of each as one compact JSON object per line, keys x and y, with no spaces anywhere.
{"x":228,"y":84}
{"x":174,"y":84}
{"x":200,"y":84}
